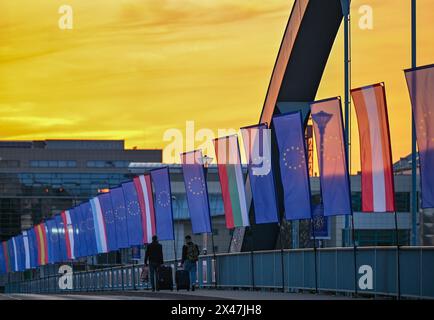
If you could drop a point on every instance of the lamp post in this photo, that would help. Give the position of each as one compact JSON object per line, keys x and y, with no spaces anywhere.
{"x":321,"y":119}
{"x":206,"y":161}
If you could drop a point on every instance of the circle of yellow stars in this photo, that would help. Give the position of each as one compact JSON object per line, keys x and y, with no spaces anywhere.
{"x":133,"y":208}
{"x":119,"y":213}
{"x":163,"y":198}
{"x":301,"y":160}
{"x":89,"y":224}
{"x":423,"y":129}
{"x":196,"y":181}
{"x":108,"y":215}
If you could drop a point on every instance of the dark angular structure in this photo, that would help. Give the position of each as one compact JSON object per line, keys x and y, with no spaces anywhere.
{"x":309,"y":35}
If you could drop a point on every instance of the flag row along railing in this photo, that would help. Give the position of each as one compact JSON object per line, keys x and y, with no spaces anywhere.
{"x":130,"y":214}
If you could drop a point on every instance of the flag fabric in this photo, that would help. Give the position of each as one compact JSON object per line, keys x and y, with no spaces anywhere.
{"x":294,"y":170}
{"x":109,"y":220}
{"x":2,"y":261}
{"x":420,"y":82}
{"x":41,"y":242}
{"x":87,"y":215}
{"x":196,"y":190}
{"x":257,"y":146}
{"x":6,"y":258}
{"x":99,"y":226}
{"x":378,"y":192}
{"x":134,"y":219}
{"x":20,"y":253}
{"x":232,"y":181}
{"x":120,"y":215}
{"x":26,"y":243}
{"x":13,"y":254}
{"x":163,"y":204}
{"x":143,"y":188}
{"x":52,"y":241}
{"x":62,"y":238}
{"x":33,"y":248}
{"x":330,"y":146}
{"x":68,"y":231}
{"x":79,"y":235}
{"x":81,"y":219}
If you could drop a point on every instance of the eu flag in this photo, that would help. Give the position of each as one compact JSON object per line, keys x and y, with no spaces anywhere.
{"x":134,"y":220}
{"x":196,"y":190}
{"x":109,"y":219}
{"x":32,"y":248}
{"x":62,"y":238}
{"x":257,"y":146}
{"x":293,"y":166}
{"x":163,"y":203}
{"x":87,"y":214}
{"x":52,"y":241}
{"x":2,"y":261}
{"x":332,"y":159}
{"x":79,"y":236}
{"x":21,"y":258}
{"x":420,"y":83}
{"x":120,"y":216}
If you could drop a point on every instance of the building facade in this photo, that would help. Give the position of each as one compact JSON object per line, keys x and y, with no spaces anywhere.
{"x":41,"y":178}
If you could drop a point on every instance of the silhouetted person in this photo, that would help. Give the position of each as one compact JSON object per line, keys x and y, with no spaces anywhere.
{"x":154,"y":255}
{"x":190,"y":255}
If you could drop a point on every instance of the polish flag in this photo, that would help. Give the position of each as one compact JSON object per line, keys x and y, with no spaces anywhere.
{"x":378,"y":192}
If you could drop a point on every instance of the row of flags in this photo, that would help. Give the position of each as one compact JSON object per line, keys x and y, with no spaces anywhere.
{"x":129,"y":215}
{"x":124,"y":217}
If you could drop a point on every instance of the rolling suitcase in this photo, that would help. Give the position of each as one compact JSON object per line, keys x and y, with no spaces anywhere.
{"x":182,"y":279}
{"x":165,"y":278}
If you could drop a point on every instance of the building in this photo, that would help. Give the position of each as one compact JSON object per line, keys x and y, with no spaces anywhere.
{"x":41,"y":178}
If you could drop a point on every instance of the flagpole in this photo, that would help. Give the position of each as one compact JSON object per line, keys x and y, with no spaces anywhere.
{"x":398,"y":264}
{"x":413,"y":130}
{"x":315,"y":254}
{"x":353,"y":231}
{"x":205,"y":163}
{"x":281,"y":255}
{"x":347,"y":71}
{"x":252,"y":264}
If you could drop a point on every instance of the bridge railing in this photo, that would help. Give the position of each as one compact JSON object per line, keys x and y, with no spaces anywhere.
{"x":376,"y":273}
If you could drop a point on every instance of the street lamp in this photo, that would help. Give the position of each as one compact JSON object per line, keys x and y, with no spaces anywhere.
{"x":321,"y":119}
{"x":205,"y":161}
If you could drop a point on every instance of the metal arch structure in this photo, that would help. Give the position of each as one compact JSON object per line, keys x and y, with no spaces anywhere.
{"x":305,"y":48}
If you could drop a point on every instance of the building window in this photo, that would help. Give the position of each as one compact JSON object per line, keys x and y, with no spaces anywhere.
{"x":53,"y":163}
{"x":107,"y":164}
{"x":9,"y":163}
{"x":402,"y":201}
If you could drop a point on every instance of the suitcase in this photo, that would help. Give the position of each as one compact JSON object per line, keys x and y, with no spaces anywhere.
{"x":165,"y":278}
{"x":182,"y":279}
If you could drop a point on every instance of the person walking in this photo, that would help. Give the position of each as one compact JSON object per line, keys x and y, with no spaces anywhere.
{"x":190,"y":256}
{"x":154,"y":258}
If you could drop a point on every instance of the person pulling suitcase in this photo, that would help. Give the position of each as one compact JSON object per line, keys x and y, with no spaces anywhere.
{"x":154,"y":258}
{"x":190,"y":256}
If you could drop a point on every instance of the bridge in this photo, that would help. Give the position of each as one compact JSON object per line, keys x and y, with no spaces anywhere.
{"x":265,"y":274}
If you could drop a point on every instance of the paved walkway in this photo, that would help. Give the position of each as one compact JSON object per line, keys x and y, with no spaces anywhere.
{"x":202,"y":294}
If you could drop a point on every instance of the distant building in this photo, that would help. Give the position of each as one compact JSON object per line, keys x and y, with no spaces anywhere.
{"x":41,"y":178}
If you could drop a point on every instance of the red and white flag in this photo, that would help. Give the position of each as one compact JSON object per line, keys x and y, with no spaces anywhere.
{"x":378,"y":192}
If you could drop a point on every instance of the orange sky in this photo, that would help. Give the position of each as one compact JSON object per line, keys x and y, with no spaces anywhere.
{"x":130,"y":69}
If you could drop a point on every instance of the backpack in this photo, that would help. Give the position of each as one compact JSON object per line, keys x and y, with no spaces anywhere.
{"x":192,"y":252}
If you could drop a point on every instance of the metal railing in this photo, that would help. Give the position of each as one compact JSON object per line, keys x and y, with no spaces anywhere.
{"x":376,"y":269}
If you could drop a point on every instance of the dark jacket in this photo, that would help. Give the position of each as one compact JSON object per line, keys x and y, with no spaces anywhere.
{"x":154,"y":253}
{"x":184,"y":252}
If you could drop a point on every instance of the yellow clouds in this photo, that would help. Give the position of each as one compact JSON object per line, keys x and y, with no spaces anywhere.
{"x":134,"y":68}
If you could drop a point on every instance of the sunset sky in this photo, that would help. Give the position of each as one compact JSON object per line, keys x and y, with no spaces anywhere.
{"x":130,"y":69}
